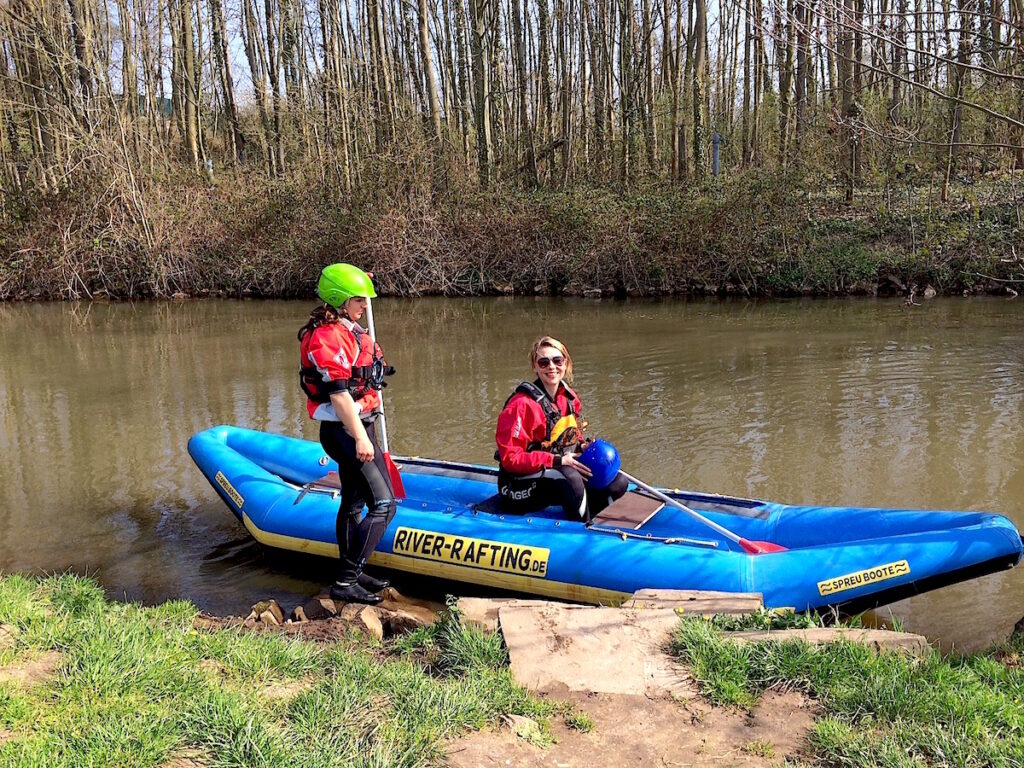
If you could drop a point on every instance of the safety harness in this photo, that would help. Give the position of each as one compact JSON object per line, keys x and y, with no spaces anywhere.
{"x":362,"y":380}
{"x":562,"y":431}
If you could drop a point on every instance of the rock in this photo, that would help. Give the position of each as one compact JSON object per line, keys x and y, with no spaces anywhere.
{"x":423,"y":612}
{"x":179,"y":296}
{"x":319,"y":608}
{"x":878,"y":640}
{"x":269,"y":617}
{"x":298,"y":615}
{"x":401,"y":622}
{"x":592,"y":293}
{"x":929,"y":292}
{"x":263,"y":606}
{"x":364,"y":618}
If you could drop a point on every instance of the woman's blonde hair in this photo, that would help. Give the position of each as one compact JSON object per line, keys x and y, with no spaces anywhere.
{"x":550,"y":341}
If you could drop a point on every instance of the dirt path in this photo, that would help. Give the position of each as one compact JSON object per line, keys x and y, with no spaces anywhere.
{"x":640,"y":731}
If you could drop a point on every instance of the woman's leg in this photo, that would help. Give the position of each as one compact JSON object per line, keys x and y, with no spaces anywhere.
{"x":521,"y":494}
{"x":361,"y":484}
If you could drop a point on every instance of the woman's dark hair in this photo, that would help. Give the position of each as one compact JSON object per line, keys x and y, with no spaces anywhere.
{"x":321,"y":315}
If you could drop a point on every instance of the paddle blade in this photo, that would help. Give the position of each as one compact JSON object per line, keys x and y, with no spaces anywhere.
{"x":396,"y":477}
{"x":760,"y":547}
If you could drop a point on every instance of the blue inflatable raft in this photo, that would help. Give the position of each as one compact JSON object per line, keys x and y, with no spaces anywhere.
{"x":450,"y":526}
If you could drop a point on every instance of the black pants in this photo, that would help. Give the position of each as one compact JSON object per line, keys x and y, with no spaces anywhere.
{"x":564,"y":486}
{"x":362,"y":484}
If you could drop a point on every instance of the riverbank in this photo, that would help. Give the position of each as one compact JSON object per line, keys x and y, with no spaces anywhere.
{"x":753,"y":234}
{"x":85,"y":681}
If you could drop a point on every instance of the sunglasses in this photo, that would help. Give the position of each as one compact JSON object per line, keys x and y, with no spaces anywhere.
{"x":558,"y":361}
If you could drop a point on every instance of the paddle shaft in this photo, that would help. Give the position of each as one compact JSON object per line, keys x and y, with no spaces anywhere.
{"x":383,"y":421}
{"x":679,"y":505}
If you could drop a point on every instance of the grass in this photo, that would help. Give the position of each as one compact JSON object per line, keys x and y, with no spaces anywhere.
{"x":138,"y":686}
{"x":878,"y":710}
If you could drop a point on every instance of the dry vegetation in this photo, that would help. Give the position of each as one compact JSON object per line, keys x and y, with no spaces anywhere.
{"x":155,"y":147}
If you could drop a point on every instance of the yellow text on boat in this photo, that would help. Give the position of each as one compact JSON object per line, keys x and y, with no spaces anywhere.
{"x":486,"y":555}
{"x":863,"y":578}
{"x":229,"y":489}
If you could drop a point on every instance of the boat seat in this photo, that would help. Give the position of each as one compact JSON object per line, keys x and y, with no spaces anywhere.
{"x":630,"y":511}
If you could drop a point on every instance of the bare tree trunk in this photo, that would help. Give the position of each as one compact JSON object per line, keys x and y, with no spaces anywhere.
{"x":961,"y":83}
{"x":650,"y":127}
{"x":482,"y":105}
{"x":700,"y":80}
{"x":525,"y":129}
{"x":428,"y":72}
{"x":461,"y":29}
{"x":227,"y":80}
{"x":628,"y":96}
{"x":846,"y":78}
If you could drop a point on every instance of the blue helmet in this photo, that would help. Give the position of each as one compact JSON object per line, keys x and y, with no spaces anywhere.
{"x":603,"y":461}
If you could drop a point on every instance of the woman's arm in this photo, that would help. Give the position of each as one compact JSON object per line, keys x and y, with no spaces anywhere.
{"x":348,"y":412}
{"x":518,"y":426}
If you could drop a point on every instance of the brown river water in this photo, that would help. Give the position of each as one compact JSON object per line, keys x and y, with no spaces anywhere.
{"x":854,"y":402}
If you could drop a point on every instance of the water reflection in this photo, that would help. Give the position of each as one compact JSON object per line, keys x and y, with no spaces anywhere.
{"x":855,"y":402}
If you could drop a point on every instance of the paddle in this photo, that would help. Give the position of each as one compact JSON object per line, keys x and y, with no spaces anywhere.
{"x":751,"y":547}
{"x":396,"y":477}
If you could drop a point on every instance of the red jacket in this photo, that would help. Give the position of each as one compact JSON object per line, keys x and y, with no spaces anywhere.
{"x":332,"y":350}
{"x":522,"y":423}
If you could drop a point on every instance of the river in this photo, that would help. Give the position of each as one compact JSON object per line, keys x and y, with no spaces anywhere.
{"x":862,"y":402}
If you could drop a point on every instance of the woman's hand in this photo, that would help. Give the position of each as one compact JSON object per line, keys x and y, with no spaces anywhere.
{"x":569,"y":460}
{"x":364,"y":449}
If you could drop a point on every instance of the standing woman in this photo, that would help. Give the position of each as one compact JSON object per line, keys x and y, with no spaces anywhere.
{"x":539,"y":437}
{"x":341,"y":372}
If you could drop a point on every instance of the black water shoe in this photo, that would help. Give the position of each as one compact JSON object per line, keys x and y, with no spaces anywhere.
{"x":371,"y":584}
{"x":353,"y":593}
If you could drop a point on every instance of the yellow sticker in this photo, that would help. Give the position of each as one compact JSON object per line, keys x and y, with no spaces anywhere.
{"x":229,"y":489}
{"x":863,"y":578}
{"x":522,"y":559}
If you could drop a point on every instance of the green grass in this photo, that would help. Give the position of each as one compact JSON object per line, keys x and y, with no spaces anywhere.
{"x":137,"y":686}
{"x":878,"y":710}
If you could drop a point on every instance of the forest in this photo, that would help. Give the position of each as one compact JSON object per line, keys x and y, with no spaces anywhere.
{"x":625,"y":147}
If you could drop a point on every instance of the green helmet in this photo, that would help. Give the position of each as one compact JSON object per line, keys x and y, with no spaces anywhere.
{"x":340,"y":282}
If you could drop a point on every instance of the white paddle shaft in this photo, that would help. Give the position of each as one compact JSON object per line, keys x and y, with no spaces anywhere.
{"x":383,"y":421}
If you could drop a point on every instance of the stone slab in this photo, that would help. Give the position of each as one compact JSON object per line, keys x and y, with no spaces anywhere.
{"x":601,"y":650}
{"x":878,"y":640}
{"x":700,"y":602}
{"x":482,"y":612}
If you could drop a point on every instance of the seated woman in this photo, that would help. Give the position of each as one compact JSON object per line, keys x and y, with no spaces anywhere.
{"x":539,"y":436}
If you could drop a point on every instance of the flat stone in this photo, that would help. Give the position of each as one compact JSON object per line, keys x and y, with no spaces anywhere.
{"x":270,"y":618}
{"x":699,"y":602}
{"x":878,"y":640}
{"x":298,"y":615}
{"x":596,"y":650}
{"x":482,"y":612}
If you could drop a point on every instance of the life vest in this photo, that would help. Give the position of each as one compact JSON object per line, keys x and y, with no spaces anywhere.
{"x":563,"y":432}
{"x":368,"y":372}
